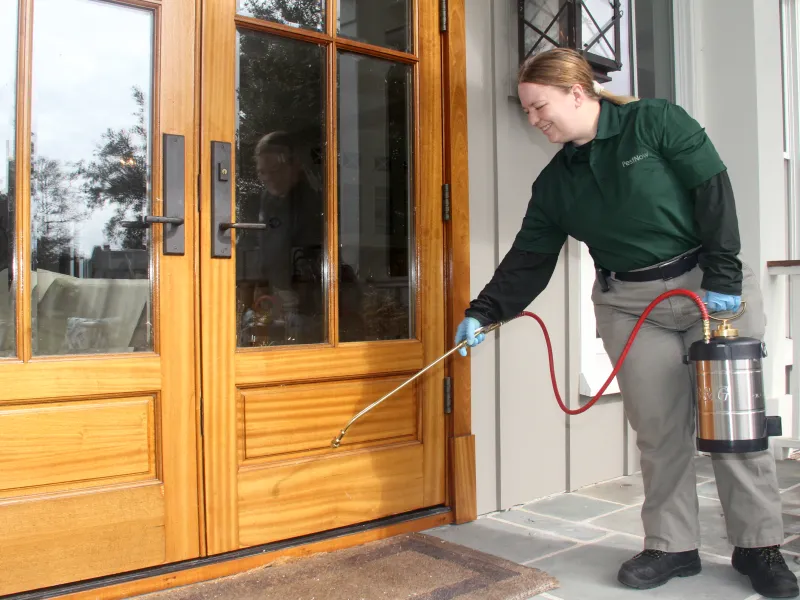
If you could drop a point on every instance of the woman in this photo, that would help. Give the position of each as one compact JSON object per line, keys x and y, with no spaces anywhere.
{"x":641,"y":184}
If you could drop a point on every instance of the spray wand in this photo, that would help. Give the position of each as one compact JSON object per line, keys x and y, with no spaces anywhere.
{"x":337,"y":441}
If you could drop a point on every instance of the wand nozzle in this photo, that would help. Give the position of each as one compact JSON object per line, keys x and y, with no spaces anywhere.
{"x":338,"y":440}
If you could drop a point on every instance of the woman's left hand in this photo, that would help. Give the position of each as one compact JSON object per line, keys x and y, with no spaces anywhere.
{"x":717,"y":302}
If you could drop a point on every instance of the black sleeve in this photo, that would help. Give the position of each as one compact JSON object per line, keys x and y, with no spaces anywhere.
{"x":518,"y":279}
{"x":715,"y":214}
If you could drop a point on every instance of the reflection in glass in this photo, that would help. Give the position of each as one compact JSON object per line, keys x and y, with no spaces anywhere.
{"x":8,"y":93}
{"x":307,"y":14}
{"x":90,"y":172}
{"x":376,"y":292}
{"x":379,"y":22}
{"x":280,"y":150}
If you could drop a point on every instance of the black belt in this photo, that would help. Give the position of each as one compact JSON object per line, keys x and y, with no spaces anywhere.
{"x":668,"y":270}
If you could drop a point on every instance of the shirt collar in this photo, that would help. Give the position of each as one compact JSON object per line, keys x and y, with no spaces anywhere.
{"x":607,"y":127}
{"x":608,"y":124}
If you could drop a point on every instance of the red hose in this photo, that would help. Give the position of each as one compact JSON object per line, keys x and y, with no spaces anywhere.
{"x":622,"y":356}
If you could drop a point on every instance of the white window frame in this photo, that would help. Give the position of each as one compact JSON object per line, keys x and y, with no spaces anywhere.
{"x":790,"y":79}
{"x":686,"y":22}
{"x":595,"y":364}
{"x":790,"y":67}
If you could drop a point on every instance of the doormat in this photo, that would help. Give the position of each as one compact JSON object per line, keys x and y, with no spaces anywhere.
{"x":407,"y":566}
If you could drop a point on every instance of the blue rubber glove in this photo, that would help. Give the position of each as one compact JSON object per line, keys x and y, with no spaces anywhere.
{"x":466,"y":331}
{"x":717,"y":302}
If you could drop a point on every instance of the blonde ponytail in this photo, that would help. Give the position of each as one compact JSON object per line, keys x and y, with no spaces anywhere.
{"x":603,"y":93}
{"x":563,"y":68}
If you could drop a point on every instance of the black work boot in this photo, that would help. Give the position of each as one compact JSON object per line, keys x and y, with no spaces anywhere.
{"x":767,"y":571}
{"x":652,"y":568}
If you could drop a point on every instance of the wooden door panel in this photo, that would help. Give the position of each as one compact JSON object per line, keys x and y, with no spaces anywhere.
{"x":46,"y":379}
{"x":80,"y":536}
{"x":98,"y":428}
{"x":355,"y":100}
{"x":356,"y":359}
{"x":76,"y":444}
{"x":293,"y":421}
{"x":303,"y":497}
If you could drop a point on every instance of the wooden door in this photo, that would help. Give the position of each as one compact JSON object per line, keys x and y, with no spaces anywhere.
{"x":98,"y":459}
{"x":322,"y":142}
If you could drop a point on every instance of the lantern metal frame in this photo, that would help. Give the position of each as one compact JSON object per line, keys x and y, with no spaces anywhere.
{"x":569,"y":34}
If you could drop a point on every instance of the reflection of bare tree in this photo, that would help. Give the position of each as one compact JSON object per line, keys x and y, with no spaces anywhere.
{"x":55,"y":211}
{"x":118,"y":176}
{"x":306,"y":13}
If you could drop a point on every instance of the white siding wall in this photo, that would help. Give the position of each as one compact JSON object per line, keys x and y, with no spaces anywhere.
{"x":738,"y":95}
{"x":526,"y":446}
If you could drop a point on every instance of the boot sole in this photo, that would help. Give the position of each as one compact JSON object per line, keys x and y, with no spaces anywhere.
{"x":682,"y":571}
{"x":765,"y":593}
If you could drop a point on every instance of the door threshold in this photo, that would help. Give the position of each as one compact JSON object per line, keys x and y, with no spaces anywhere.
{"x":134,"y":582}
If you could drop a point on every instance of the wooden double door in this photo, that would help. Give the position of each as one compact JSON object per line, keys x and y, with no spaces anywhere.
{"x":222,"y":237}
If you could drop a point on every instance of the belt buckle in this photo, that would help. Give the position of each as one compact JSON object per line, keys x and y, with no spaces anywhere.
{"x":674,"y":261}
{"x":664,"y":276}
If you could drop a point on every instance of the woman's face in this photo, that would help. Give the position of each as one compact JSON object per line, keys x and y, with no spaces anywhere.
{"x":553,"y":111}
{"x":278,"y":171}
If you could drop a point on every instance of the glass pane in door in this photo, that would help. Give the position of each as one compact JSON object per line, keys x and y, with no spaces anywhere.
{"x":280,"y":182}
{"x":306,"y":14}
{"x":376,"y":225}
{"x":8,"y":136}
{"x":90,"y":177}
{"x":380,"y":22}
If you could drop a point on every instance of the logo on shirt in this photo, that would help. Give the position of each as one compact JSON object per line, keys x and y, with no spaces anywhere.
{"x":635,"y":159}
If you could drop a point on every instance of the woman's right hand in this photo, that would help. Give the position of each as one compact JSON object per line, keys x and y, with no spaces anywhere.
{"x":466,"y":331}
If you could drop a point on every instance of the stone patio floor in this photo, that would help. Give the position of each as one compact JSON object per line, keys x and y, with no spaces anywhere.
{"x":582,"y":538}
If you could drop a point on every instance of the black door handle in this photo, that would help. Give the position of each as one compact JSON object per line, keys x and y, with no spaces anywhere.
{"x":150,"y":219}
{"x":174,"y":194}
{"x":226,"y":226}
{"x":174,"y":197}
{"x":221,"y":200}
{"x":167,"y":220}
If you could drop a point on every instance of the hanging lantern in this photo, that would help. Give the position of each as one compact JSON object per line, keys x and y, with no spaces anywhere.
{"x":592,"y":27}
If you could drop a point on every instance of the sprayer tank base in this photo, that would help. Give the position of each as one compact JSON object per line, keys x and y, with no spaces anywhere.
{"x":732,"y":446}
{"x":772,"y":427}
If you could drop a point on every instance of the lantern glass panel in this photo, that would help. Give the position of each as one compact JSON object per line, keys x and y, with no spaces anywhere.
{"x":597,"y":28}
{"x":541,"y":14}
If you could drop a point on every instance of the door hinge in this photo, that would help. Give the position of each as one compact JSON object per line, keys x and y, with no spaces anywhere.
{"x":202,"y":417}
{"x":448,"y":395}
{"x":446,"y":202}
{"x":443,"y":16}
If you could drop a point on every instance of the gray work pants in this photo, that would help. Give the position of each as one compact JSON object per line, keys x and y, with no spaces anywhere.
{"x":658,"y":398}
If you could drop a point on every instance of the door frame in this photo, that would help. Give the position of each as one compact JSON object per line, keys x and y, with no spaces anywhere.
{"x":461,"y":465}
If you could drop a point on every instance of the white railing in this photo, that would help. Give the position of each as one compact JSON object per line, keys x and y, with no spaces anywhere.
{"x":791,"y":430}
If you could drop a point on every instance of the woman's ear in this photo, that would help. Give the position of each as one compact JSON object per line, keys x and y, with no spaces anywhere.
{"x":578,"y":94}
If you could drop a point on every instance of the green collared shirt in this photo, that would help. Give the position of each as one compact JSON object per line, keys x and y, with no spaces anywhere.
{"x":630,"y":194}
{"x":649,"y":187}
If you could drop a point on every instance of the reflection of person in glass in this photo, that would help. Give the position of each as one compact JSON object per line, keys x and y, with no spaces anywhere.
{"x":289,"y":251}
